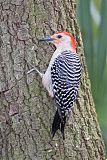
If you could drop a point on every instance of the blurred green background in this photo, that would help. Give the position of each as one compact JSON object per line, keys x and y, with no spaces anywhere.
{"x":92,"y":18}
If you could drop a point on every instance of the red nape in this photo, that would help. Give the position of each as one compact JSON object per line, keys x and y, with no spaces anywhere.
{"x":70,"y":35}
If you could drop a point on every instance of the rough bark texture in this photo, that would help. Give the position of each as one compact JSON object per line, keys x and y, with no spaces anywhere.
{"x":26,"y":111}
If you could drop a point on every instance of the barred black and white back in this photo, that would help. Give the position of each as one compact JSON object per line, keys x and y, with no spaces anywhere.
{"x":65,"y":75}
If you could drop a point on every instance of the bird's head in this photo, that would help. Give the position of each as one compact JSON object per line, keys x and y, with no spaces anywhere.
{"x":62,"y":40}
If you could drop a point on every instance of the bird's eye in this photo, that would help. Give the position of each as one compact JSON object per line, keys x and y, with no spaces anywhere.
{"x":59,"y":36}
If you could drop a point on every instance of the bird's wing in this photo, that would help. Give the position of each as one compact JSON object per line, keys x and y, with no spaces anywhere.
{"x":65,"y":74}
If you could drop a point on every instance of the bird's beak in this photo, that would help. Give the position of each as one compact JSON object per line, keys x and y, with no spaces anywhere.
{"x":47,"y":39}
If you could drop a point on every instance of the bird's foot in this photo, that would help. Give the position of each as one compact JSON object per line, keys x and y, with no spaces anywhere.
{"x":35,"y":69}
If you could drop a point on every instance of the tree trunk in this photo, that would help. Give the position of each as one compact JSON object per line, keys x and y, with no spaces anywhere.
{"x":26,"y":111}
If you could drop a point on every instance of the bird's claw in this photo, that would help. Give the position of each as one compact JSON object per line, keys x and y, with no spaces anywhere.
{"x":35,"y":69}
{"x":31,"y":70}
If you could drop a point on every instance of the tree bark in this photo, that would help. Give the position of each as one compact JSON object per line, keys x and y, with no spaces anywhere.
{"x":26,"y":111}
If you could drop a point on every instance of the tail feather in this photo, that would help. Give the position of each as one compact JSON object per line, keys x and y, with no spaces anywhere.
{"x":63,"y":127}
{"x":58,"y":124}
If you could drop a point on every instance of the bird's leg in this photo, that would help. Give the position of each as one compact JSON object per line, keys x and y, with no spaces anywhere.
{"x":35,"y":69}
{"x":45,"y":81}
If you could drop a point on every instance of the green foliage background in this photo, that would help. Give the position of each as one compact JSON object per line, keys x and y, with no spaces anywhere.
{"x":92,"y":17}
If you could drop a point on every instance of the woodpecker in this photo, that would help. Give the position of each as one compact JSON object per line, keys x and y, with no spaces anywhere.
{"x":62,"y":77}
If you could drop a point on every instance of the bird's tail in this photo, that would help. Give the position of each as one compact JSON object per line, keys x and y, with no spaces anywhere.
{"x":58,"y":123}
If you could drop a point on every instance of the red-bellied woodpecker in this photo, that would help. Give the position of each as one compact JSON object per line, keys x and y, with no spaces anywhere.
{"x":62,"y":77}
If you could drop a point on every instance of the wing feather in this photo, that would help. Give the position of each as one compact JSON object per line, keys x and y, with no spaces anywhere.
{"x":65,"y":74}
